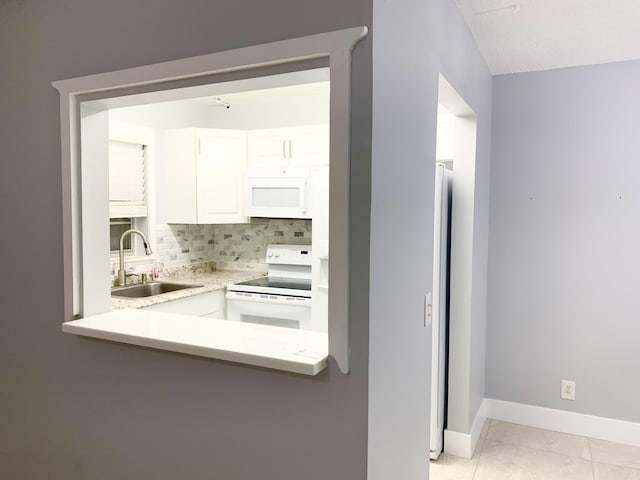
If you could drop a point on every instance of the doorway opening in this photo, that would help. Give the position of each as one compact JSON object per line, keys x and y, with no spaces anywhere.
{"x":456,"y":158}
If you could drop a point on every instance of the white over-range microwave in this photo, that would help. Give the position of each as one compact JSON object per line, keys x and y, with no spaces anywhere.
{"x":278,"y":192}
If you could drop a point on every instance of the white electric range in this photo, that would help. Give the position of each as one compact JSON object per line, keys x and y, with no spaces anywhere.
{"x":281,"y":299}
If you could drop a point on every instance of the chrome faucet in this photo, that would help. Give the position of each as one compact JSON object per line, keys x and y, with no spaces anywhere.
{"x":122,"y":276}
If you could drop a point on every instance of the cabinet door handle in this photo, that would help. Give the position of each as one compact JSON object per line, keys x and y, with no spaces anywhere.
{"x":284,"y":148}
{"x":290,"y":148}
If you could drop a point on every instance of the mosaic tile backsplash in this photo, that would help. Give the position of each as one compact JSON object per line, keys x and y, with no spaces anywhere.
{"x":244,"y":246}
{"x":184,"y":244}
{"x":236,"y":246}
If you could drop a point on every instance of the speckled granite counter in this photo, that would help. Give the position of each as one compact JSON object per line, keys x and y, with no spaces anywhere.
{"x":209,"y":279}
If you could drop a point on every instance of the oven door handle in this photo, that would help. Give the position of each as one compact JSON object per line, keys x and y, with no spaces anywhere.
{"x":279,"y":300}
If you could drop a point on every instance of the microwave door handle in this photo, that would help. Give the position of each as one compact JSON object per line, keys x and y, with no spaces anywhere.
{"x":303,"y":197}
{"x":248,"y":204}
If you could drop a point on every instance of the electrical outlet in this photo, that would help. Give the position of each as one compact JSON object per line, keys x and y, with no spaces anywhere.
{"x":568,"y":390}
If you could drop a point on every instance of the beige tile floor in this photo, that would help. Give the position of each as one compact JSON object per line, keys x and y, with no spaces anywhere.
{"x":507,"y":451}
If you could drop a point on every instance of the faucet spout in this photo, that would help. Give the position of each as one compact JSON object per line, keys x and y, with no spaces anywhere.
{"x":122,"y":277}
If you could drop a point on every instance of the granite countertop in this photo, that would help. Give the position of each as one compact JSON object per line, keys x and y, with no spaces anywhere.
{"x":206,"y":275}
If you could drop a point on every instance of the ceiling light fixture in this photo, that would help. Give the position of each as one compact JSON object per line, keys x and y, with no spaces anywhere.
{"x":218,"y":102}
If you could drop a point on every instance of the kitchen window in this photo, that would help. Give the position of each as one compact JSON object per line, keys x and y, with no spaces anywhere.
{"x":117,"y":226}
{"x":127,"y":179}
{"x":130,"y":157}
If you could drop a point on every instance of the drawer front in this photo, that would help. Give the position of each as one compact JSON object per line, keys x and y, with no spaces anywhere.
{"x":204,"y":305}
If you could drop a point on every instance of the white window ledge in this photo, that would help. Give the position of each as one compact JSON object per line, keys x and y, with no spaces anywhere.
{"x":278,"y":348}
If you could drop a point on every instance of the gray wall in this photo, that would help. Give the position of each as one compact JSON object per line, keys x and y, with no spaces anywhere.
{"x":413,"y":41}
{"x":74,"y":408}
{"x":564,"y":258}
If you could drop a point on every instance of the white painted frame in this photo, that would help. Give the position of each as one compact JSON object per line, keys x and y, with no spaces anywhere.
{"x":461,"y":268}
{"x":336,"y":46}
{"x":565,"y":421}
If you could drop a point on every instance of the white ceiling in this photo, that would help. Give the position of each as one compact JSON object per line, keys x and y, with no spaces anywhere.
{"x":530,"y":35}
{"x":295,"y":93}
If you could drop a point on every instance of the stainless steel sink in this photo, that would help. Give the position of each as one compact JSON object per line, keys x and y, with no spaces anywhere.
{"x":149,"y":289}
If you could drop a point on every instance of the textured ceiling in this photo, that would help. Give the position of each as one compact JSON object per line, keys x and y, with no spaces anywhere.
{"x":529,"y":35}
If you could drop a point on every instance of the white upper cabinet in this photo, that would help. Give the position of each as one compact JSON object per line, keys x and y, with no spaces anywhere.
{"x":294,"y":146}
{"x":205,"y":175}
{"x":309,"y":145}
{"x":222,"y":162}
{"x":268,"y":147}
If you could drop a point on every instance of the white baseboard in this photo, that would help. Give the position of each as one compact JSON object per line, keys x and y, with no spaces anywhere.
{"x":563,"y":421}
{"x":464,"y":444}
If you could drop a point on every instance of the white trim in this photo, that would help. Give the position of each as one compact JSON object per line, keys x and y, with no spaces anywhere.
{"x":476,"y":428}
{"x":603,"y":428}
{"x":268,"y":54}
{"x":456,"y":443}
{"x":336,"y":45}
{"x":464,"y":444}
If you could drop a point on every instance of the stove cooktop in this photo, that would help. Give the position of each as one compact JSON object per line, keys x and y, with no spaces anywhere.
{"x":275,"y":283}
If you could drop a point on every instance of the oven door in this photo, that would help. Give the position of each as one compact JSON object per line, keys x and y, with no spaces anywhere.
{"x":274,"y":310}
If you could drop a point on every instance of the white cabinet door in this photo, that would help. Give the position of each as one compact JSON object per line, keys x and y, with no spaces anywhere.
{"x":268,"y":147}
{"x":180,"y":169}
{"x":210,"y":305}
{"x":279,"y":147}
{"x":205,"y":175}
{"x":309,"y":146}
{"x":221,"y":165}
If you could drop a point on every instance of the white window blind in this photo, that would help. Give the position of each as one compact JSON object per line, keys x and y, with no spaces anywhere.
{"x":126,"y":180}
